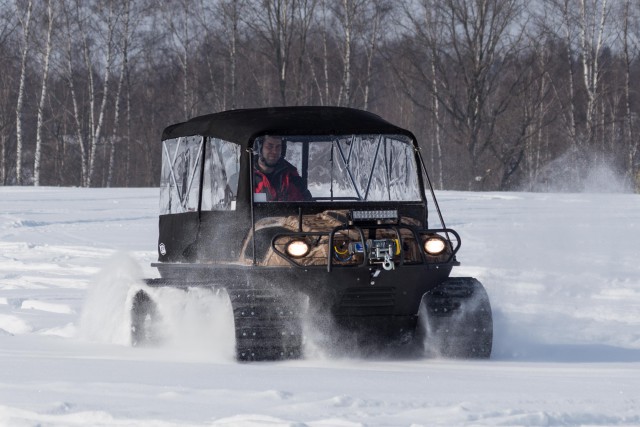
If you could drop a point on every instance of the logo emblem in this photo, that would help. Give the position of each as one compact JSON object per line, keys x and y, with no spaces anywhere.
{"x":163,"y":249}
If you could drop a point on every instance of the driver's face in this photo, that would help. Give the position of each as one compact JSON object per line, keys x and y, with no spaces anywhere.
{"x":271,"y":151}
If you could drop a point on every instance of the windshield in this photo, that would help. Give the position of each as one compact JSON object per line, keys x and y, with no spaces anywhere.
{"x":334,"y":168}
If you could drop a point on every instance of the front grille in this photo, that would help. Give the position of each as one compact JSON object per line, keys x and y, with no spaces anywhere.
{"x":368,"y":297}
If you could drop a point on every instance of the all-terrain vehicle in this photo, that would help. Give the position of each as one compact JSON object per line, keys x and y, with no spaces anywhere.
{"x":354,"y":261}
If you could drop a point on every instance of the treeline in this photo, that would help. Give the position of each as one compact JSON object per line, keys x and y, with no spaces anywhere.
{"x":502,"y":94}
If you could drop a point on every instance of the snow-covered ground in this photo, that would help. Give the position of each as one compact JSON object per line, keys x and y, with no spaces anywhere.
{"x":562,"y":272}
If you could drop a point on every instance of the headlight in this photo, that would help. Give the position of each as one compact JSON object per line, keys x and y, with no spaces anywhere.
{"x":434,"y":245}
{"x":297,"y":248}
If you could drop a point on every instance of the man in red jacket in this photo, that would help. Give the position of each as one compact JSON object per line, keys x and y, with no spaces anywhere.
{"x":274,"y":176}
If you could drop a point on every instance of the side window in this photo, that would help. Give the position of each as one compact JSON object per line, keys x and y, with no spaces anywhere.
{"x":180,"y":179}
{"x":221,"y":173}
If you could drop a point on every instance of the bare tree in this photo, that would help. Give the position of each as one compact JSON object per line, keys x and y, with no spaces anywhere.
{"x":380,"y":10}
{"x":224,"y":25}
{"x":231,"y":11}
{"x":418,"y":49}
{"x":471,"y":45}
{"x":478,"y":51}
{"x":177,"y":19}
{"x":321,"y":83}
{"x":273,"y":21}
{"x":305,"y":18}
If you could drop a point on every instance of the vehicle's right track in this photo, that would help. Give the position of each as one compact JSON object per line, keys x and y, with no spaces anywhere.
{"x":460,"y":321}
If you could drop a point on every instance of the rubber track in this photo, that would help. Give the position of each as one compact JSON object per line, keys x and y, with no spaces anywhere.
{"x":468,"y":336}
{"x":267,"y":323}
{"x":444,"y":300}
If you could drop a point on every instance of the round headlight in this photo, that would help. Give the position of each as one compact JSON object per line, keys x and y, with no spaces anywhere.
{"x":297,"y":248}
{"x":434,"y":245}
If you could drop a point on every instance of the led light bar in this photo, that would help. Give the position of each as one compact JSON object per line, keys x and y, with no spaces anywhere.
{"x":374,"y":215}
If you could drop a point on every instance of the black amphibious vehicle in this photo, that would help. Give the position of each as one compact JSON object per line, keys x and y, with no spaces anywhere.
{"x":350,"y":257}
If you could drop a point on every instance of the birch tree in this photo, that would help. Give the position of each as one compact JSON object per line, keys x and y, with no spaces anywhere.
{"x":8,"y":25}
{"x":74,"y":23}
{"x":593,"y":18}
{"x":569,"y":110}
{"x":629,"y":51}
{"x":124,"y":62}
{"x":539,"y":102}
{"x":234,"y":14}
{"x":97,"y":123}
{"x":229,"y":13}
{"x":348,"y":12}
{"x":43,"y":94}
{"x":87,"y":34}
{"x":26,"y":29}
{"x":423,"y":24}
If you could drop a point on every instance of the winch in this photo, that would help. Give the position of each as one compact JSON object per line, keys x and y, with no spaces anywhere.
{"x":379,"y":251}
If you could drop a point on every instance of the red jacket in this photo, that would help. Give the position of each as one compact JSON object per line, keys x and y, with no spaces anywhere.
{"x":284,"y":184}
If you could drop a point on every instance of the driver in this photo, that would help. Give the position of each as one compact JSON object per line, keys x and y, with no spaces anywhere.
{"x":276,"y":177}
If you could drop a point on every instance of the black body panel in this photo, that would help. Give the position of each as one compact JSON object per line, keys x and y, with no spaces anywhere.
{"x":177,"y":237}
{"x":348,"y":291}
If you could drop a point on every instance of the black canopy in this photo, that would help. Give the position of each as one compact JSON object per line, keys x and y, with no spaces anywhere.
{"x":241,"y":126}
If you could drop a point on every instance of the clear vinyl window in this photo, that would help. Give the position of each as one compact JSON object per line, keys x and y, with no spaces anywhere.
{"x":221,"y":173}
{"x":182,"y":162}
{"x":372,"y":167}
{"x":180,"y":178}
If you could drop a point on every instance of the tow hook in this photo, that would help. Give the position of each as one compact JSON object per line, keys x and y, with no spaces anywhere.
{"x":388,"y":263}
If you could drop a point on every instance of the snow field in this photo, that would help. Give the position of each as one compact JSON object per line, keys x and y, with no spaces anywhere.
{"x":562,"y":272}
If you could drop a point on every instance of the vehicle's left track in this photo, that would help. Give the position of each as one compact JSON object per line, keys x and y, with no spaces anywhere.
{"x":268,"y":324}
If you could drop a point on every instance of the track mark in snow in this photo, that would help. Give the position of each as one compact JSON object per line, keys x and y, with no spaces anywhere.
{"x":334,"y":422}
{"x":46,"y":306}
{"x":14,"y":325}
{"x":275,"y":394}
{"x":10,"y":416}
{"x":67,"y":331}
{"x":251,"y":420}
{"x":62,"y":408}
{"x":341,"y":401}
{"x":546,"y":418}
